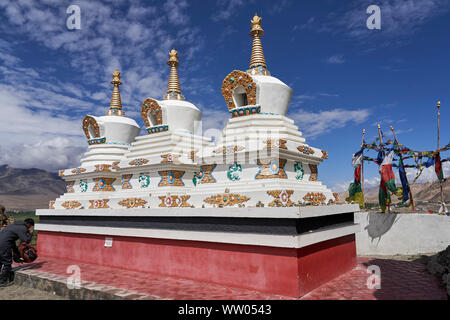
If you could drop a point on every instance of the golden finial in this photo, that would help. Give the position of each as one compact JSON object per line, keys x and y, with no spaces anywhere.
{"x":257,"y":61}
{"x":256,"y":26}
{"x":439,"y":104}
{"x":173,"y":88}
{"x":115,"y":107}
{"x":379,"y":127}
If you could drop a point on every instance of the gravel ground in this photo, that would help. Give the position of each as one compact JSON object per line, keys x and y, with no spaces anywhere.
{"x":16,"y":292}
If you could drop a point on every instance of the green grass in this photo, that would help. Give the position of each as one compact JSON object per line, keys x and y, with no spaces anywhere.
{"x":20,"y":216}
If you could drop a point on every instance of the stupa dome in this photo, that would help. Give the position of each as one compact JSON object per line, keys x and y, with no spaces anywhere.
{"x":256,"y":87}
{"x":108,"y":136}
{"x":174,"y":112}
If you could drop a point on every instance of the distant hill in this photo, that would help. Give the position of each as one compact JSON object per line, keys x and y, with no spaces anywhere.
{"x":28,"y":189}
{"x":421,"y":192}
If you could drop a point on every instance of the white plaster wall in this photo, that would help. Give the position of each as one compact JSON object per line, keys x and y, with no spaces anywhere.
{"x":391,"y":234}
{"x":272,"y":95}
{"x":120,"y":129}
{"x":180,"y":115}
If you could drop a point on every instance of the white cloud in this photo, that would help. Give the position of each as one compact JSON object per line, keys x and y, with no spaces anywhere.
{"x":313,"y":124}
{"x":226,"y":8}
{"x":335,"y":59}
{"x":41,"y":114}
{"x":49,"y":154}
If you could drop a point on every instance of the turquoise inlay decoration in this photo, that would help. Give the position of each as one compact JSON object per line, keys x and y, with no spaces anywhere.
{"x":195,"y":179}
{"x":144,"y":180}
{"x":298,"y":168}
{"x":83,"y":185}
{"x":234,"y":172}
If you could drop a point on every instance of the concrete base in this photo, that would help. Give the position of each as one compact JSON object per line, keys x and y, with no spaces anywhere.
{"x":285,"y":251}
{"x":406,"y":234}
{"x":286,"y":271}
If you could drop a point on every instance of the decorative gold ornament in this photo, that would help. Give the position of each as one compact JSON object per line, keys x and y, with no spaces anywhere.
{"x":102,"y":168}
{"x":314,"y":172}
{"x":193,"y":154}
{"x":90,"y":121}
{"x":324,"y":154}
{"x":78,"y":170}
{"x":173,"y":88}
{"x":69,"y":187}
{"x":171,"y":178}
{"x":336,"y":196}
{"x":205,"y":174}
{"x":70,"y":204}
{"x":315,"y":198}
{"x":235,"y":79}
{"x":132,"y":203}
{"x":104,"y":184}
{"x":271,"y":168}
{"x":257,"y":60}
{"x":126,"y":181}
{"x":115,"y":165}
{"x":305,"y":149}
{"x":282,"y":198}
{"x":61,"y":173}
{"x":226,"y":199}
{"x":115,"y":107}
{"x":99,"y":204}
{"x":229,"y":149}
{"x":170,"y":158}
{"x":138,"y":162}
{"x":276,"y":143}
{"x":150,"y":107}
{"x":172,"y":201}
{"x":51,"y":204}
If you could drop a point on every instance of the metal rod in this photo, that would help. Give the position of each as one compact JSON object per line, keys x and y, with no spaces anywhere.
{"x":381,"y":144}
{"x":411,"y":200}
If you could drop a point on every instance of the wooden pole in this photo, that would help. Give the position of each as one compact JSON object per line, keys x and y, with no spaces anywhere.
{"x":438,"y":136}
{"x":362,"y":162}
{"x":407,"y":183}
{"x":381,"y":145}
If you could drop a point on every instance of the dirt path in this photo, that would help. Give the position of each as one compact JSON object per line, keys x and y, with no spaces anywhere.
{"x":16,"y":292}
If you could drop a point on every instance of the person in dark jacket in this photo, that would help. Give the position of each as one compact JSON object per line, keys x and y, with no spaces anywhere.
{"x":22,"y":230}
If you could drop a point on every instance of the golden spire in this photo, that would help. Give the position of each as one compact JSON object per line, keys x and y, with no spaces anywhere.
{"x":173,"y":88}
{"x":257,"y":61}
{"x":115,"y":107}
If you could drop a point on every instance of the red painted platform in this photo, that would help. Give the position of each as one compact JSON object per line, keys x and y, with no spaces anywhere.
{"x":400,"y":280}
{"x":284,"y":271}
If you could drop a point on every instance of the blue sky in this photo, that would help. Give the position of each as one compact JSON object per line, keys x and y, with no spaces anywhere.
{"x":344,"y":76}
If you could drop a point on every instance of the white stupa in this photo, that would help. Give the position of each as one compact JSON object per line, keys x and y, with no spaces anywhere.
{"x":260,"y":160}
{"x":109,"y":136}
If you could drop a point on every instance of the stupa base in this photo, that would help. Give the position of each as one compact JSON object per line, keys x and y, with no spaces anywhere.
{"x":286,"y":251}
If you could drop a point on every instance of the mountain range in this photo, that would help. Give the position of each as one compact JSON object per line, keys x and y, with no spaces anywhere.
{"x":28,"y":189}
